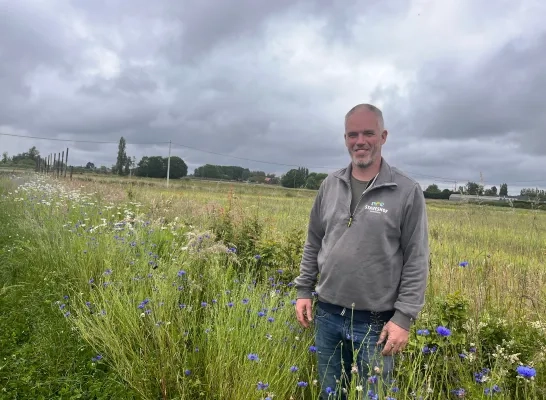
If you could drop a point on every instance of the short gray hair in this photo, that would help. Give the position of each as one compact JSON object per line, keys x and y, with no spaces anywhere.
{"x":369,"y":107}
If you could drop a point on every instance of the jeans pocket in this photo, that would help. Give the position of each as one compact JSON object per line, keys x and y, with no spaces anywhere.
{"x":321,"y":314}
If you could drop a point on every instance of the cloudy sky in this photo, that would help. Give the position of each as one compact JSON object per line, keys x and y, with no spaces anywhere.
{"x":462,"y":83}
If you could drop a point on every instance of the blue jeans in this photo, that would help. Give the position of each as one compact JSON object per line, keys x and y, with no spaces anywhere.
{"x":347,"y":349}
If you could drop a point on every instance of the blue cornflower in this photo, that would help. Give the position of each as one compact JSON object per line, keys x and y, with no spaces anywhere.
{"x":262,"y":386}
{"x":187,"y":372}
{"x":459,"y":392}
{"x":526,"y":371}
{"x":271,"y":319}
{"x":203,"y":304}
{"x":463,"y":264}
{"x":372,"y":395}
{"x":443,"y":331}
{"x":257,"y":256}
{"x":423,"y":332}
{"x":253,"y":357}
{"x":143,"y":303}
{"x":302,"y":384}
{"x":96,"y":358}
{"x":261,"y":314}
{"x":230,"y":304}
{"x":181,"y":273}
{"x":329,"y":391}
{"x":492,"y":390}
{"x":293,"y":368}
{"x":312,"y":349}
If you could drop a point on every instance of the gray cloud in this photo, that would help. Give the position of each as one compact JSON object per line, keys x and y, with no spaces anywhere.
{"x":272,"y":81}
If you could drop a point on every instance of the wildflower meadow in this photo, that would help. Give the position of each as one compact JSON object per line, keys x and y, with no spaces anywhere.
{"x":127,"y":289}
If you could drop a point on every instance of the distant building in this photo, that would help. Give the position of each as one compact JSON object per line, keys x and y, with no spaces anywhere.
{"x":474,"y":197}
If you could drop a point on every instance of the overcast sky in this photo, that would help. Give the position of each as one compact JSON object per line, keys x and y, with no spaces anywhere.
{"x":462,"y":83}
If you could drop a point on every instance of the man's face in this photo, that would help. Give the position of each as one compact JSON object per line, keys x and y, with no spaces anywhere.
{"x":364,"y":138}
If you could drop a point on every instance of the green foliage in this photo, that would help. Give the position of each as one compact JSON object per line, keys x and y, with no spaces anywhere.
{"x":473,"y":188}
{"x":503,"y":190}
{"x":122,"y":158}
{"x":204,"y":300}
{"x":41,"y":357}
{"x":295,"y":178}
{"x":444,"y":195}
{"x":433,"y":188}
{"x":314,"y":180}
{"x":156,"y":167}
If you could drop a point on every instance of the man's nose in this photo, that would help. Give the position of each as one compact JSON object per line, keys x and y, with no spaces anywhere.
{"x":361,"y":139}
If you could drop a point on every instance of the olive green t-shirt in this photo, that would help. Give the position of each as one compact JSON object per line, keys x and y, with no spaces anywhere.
{"x":357,"y":188}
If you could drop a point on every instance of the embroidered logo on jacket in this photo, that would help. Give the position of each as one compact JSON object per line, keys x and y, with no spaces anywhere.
{"x":376,"y":207}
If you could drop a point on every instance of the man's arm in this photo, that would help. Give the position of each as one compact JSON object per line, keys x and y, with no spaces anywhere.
{"x":306,"y":281}
{"x":415,"y":247}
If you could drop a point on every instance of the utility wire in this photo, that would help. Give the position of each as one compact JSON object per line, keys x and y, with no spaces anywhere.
{"x":76,"y":141}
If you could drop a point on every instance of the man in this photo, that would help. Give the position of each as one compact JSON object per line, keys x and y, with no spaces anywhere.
{"x":367,"y":244}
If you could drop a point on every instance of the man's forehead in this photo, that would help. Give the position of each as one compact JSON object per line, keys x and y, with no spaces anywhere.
{"x":362,"y":120}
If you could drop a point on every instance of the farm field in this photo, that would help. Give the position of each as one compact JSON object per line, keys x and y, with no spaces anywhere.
{"x":112,"y":289}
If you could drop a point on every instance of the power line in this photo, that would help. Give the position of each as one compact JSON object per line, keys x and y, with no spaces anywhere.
{"x":248,"y":159}
{"x":75,"y":141}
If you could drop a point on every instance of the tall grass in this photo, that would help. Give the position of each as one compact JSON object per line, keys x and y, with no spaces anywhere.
{"x":186,"y":293}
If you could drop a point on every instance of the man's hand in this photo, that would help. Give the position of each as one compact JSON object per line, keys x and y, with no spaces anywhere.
{"x":304,"y":311}
{"x":397,"y":339}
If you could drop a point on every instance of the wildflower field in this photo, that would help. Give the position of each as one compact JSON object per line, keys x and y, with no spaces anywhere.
{"x":117,"y":289}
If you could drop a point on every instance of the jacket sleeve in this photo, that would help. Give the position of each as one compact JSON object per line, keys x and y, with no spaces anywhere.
{"x":306,"y":281}
{"x":415,"y":247}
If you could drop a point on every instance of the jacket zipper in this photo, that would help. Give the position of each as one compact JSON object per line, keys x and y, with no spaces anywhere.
{"x":369,"y":188}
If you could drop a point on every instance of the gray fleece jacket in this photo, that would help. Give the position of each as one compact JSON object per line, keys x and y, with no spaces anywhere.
{"x":376,"y":259}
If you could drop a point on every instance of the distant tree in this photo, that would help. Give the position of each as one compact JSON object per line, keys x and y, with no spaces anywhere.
{"x":491,"y":191}
{"x":314,"y":180}
{"x":433,"y":188}
{"x":178,"y":169}
{"x":89,"y":165}
{"x":474,"y":188}
{"x":156,"y":167}
{"x":503,"y":190}
{"x":447,"y":192}
{"x":5,"y":157}
{"x":295,"y":178}
{"x":121,"y":161}
{"x":33,"y":153}
{"x":533,"y":194}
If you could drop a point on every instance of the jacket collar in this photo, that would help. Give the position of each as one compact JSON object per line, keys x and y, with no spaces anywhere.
{"x":385,"y":177}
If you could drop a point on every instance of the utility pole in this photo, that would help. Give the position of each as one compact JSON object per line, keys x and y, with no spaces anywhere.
{"x":169,"y":164}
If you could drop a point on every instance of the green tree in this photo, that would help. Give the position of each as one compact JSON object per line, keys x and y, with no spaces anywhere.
{"x":5,"y":157}
{"x":122,"y":157}
{"x":295,"y":178}
{"x":503,"y":190}
{"x":433,"y":188}
{"x":474,"y":188}
{"x":491,"y":192}
{"x":178,"y":168}
{"x":156,"y":167}
{"x":314,"y":180}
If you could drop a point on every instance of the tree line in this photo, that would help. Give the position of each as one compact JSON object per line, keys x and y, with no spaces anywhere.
{"x":156,"y":167}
